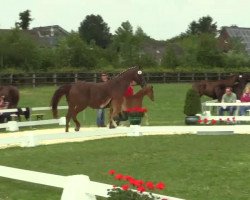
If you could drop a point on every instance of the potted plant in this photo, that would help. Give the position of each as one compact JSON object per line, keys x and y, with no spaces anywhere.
{"x":135,"y":115}
{"x":192,"y":106}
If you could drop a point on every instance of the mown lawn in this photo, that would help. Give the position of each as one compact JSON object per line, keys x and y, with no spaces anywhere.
{"x":193,"y":167}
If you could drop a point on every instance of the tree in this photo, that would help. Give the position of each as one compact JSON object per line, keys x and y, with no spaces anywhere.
{"x":74,"y":52}
{"x":94,"y":29}
{"x":204,"y":25}
{"x":25,"y":20}
{"x":208,"y":51}
{"x":170,"y":59}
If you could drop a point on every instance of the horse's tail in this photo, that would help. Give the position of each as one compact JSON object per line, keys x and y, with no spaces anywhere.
{"x":14,"y":96}
{"x":63,"y":90}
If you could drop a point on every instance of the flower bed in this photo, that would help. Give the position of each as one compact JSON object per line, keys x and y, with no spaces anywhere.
{"x":127,"y":190}
{"x":135,"y":115}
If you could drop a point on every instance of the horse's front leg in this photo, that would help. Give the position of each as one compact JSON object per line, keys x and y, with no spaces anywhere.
{"x":115,"y":109}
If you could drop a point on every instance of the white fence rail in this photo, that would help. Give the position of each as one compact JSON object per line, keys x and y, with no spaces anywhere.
{"x":76,"y":187}
{"x":207,"y":111}
{"x":14,"y":125}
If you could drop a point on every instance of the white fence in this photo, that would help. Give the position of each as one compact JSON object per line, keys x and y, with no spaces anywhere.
{"x":207,"y":111}
{"x":75,"y":187}
{"x":14,"y":125}
{"x":32,"y":139}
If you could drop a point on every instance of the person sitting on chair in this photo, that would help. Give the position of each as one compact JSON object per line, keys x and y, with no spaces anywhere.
{"x":4,"y":117}
{"x":245,"y":98}
{"x":228,"y":97}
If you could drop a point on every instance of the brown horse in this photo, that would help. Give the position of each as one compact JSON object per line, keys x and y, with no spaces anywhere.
{"x":11,"y":95}
{"x":135,"y":100}
{"x":216,"y":89}
{"x":81,"y":95}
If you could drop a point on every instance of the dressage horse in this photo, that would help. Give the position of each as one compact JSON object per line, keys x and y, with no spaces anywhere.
{"x":216,"y":89}
{"x":11,"y":95}
{"x":81,"y":95}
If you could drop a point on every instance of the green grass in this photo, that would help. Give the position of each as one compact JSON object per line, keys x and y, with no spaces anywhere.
{"x":193,"y":167}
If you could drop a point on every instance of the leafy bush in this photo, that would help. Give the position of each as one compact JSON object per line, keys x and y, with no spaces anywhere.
{"x":192,"y":104}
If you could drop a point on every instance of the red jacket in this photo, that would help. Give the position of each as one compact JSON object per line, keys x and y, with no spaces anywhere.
{"x":129,"y":91}
{"x":245,"y":97}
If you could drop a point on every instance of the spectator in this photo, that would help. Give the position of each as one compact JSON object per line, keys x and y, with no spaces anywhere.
{"x":4,"y":117}
{"x":245,"y":98}
{"x":228,"y":97}
{"x":122,"y":116}
{"x":100,"y":120}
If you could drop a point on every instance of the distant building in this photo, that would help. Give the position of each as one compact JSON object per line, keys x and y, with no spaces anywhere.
{"x":227,"y":33}
{"x":46,"y":36}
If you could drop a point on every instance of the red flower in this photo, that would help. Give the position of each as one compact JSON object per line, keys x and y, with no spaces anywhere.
{"x":112,"y":172}
{"x":213,"y":121}
{"x":127,"y":178}
{"x":200,"y":121}
{"x":125,"y":187}
{"x":141,"y":189}
{"x":136,"y":109}
{"x":160,"y":185}
{"x":118,"y":176}
{"x":205,"y":120}
{"x":135,"y":182}
{"x":150,"y":185}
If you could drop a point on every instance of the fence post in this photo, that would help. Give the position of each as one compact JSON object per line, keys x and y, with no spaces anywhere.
{"x":12,"y":126}
{"x":55,"y":79}
{"x":11,"y":79}
{"x":33,"y":80}
{"x":76,"y":77}
{"x":77,"y":187}
{"x":205,"y":76}
{"x":95,"y":78}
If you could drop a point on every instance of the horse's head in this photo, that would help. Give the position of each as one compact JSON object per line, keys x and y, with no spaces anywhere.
{"x":137,"y":76}
{"x":149,"y":92}
{"x":199,"y":87}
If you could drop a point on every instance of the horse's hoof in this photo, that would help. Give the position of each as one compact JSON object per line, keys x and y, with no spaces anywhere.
{"x":77,"y":129}
{"x":112,"y":126}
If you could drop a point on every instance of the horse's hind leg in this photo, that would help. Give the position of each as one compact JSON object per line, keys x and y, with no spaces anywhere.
{"x":68,"y":117}
{"x":78,"y":125}
{"x":74,"y":113}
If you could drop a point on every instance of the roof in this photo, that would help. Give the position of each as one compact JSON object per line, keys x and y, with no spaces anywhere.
{"x":45,"y":36}
{"x":242,"y":33}
{"x":48,"y":35}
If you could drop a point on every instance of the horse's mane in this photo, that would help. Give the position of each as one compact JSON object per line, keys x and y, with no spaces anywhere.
{"x":123,"y":72}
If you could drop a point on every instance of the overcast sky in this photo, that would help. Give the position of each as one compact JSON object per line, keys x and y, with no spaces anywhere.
{"x":160,"y":19}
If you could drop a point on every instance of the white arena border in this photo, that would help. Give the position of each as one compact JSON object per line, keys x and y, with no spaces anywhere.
{"x":52,"y":136}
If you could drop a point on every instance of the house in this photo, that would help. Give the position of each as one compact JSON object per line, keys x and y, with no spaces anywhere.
{"x":45,"y":36}
{"x":48,"y":35}
{"x":234,"y":32}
